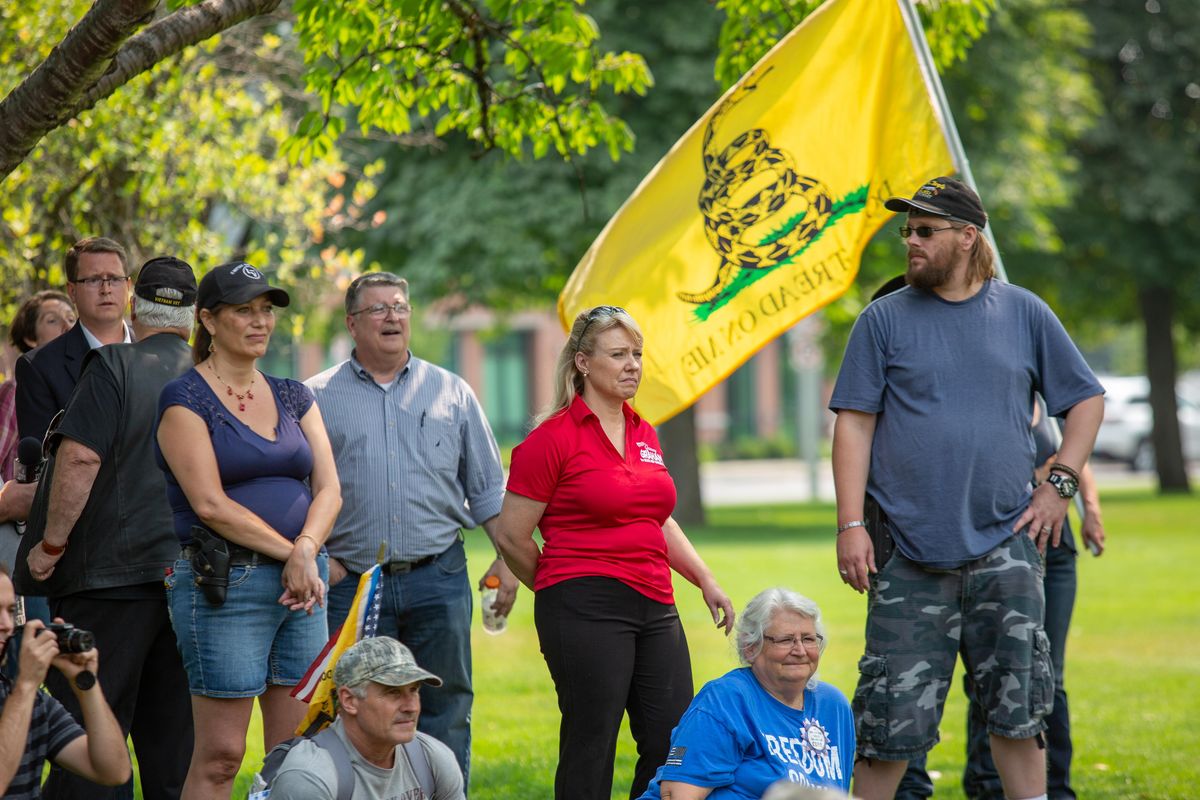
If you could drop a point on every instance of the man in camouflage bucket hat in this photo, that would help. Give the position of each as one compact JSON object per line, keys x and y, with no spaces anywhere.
{"x":933,"y":400}
{"x":378,"y":685}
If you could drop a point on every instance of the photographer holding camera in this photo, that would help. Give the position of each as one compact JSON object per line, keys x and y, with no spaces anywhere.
{"x":34,"y":726}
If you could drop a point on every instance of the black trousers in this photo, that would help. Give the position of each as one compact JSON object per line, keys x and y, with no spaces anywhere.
{"x":611,"y":649}
{"x":143,"y":680}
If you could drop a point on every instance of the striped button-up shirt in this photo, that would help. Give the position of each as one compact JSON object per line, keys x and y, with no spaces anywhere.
{"x":417,"y":461}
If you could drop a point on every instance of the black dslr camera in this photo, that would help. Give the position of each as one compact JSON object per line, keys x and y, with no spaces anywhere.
{"x":70,"y":638}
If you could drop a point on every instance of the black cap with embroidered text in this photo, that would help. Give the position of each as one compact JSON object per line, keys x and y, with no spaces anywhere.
{"x":166,"y":281}
{"x":235,"y":283}
{"x":943,"y":197}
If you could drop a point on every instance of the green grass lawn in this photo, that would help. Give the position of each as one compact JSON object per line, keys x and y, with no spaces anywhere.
{"x":1133,"y":660}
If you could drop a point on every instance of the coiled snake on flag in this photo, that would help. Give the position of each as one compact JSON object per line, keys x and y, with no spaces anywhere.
{"x":728,"y":218}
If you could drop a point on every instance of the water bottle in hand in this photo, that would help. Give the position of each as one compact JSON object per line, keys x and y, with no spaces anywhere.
{"x":493,"y":623}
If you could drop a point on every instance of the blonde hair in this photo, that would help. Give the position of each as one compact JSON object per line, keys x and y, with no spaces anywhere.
{"x":589,"y":324}
{"x":981,"y":262}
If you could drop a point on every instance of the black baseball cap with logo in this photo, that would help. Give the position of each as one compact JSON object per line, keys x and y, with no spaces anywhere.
{"x":943,"y":197}
{"x":235,"y":283}
{"x":167,"y":281}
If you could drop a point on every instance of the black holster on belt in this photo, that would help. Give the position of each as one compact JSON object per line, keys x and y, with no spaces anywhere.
{"x":210,"y":564}
{"x":879,"y":530}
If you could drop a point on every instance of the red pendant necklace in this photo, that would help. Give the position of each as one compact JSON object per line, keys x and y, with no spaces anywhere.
{"x":241,"y":398}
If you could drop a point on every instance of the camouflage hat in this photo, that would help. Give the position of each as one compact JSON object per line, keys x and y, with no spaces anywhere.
{"x":380,"y":659}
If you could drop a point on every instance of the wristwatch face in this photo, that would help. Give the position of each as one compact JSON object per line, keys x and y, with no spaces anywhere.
{"x":1065,"y":484}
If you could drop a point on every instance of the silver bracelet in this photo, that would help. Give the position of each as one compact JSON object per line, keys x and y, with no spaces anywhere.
{"x":858,"y":523}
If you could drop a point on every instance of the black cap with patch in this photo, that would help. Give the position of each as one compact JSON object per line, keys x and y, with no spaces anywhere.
{"x":235,"y":283}
{"x":167,"y":281}
{"x":943,"y":197}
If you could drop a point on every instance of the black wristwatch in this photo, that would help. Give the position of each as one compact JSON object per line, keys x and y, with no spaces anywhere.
{"x":1064,"y":484}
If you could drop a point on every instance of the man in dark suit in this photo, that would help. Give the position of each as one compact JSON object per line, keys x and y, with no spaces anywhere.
{"x":98,"y":283}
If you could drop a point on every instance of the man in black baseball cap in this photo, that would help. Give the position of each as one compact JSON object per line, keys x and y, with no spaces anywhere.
{"x":947,"y":251}
{"x":943,"y":197}
{"x":932,"y":401}
{"x":166,"y":281}
{"x":237,"y":282}
{"x":101,"y":562}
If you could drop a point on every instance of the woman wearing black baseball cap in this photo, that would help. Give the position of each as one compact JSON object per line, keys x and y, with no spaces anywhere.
{"x":241,"y":450}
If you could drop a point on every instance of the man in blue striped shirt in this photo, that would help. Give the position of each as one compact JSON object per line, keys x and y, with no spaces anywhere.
{"x":418,"y":464}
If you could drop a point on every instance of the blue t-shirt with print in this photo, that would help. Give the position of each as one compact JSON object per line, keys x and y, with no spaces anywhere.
{"x":738,"y":739}
{"x":952,"y":385}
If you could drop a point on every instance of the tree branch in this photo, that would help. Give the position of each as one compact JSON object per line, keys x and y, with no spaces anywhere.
{"x":169,"y":36}
{"x":44,"y":100}
{"x":101,"y":54}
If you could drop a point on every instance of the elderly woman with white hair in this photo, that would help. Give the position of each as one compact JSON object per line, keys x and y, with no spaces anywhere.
{"x":768,"y":721}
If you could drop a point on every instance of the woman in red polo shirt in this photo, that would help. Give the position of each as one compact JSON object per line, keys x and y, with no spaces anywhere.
{"x":591,"y":477}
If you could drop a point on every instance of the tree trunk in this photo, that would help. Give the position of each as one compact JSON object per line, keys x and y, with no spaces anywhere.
{"x":1158,"y":314}
{"x":678,"y":437}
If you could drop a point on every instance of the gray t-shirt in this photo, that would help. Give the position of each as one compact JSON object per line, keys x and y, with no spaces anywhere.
{"x":308,"y":773}
{"x":952,"y":384}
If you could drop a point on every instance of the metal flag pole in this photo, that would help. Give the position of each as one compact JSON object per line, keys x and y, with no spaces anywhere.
{"x":941,"y":107}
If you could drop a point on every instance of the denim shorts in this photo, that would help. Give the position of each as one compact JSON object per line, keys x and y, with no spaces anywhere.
{"x":237,"y":648}
{"x":919,"y":620}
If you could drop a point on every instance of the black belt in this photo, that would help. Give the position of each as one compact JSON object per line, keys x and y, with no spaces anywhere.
{"x":238,"y":556}
{"x":402,"y":567}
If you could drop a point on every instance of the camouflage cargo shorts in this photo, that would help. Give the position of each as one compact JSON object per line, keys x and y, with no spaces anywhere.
{"x":919,"y":620}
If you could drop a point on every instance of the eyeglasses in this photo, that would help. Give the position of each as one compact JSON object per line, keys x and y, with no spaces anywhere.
{"x":380,"y":310}
{"x":810,"y":641}
{"x":596,"y":313}
{"x":108,"y":281}
{"x":924,"y":231}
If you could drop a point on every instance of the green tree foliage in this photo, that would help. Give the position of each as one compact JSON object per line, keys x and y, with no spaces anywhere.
{"x":507,"y":74}
{"x":1131,"y":241}
{"x":508,"y":232}
{"x":186,"y":159}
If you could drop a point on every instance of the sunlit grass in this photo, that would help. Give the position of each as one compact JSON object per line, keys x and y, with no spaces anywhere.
{"x":1133,"y":656}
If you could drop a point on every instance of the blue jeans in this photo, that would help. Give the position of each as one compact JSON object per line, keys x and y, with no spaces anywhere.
{"x":980,"y":779}
{"x":429,"y":609}
{"x":237,"y":649}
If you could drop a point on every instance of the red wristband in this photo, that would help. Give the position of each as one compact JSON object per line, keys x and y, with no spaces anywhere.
{"x":53,"y":549}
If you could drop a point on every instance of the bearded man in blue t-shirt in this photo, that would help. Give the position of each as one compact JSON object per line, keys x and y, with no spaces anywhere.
{"x":933,"y":400}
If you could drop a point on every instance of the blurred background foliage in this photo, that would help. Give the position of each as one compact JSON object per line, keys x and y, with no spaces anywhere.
{"x":478,"y":147}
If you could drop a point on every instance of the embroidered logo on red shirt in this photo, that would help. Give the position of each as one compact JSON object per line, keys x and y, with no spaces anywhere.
{"x":649,"y":454}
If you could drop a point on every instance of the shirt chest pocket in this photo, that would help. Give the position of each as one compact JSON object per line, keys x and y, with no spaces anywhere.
{"x":441,"y":445}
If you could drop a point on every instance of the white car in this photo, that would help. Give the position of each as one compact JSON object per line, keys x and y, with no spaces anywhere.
{"x":1125,"y":433}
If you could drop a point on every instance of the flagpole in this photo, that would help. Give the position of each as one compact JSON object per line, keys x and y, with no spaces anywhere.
{"x":912,"y":21}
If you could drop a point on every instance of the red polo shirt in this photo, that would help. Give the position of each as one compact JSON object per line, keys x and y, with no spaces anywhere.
{"x":604,"y":512}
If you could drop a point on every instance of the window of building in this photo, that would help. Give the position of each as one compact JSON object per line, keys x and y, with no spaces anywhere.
{"x":506,"y":386}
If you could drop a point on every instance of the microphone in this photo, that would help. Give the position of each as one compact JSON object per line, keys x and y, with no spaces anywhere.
{"x":28,"y":466}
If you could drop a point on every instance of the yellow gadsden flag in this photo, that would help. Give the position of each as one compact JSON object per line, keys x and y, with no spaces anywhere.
{"x":759,"y":214}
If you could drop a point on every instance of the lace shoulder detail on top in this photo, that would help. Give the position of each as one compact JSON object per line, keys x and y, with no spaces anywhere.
{"x":293,"y":396}
{"x":193,"y":393}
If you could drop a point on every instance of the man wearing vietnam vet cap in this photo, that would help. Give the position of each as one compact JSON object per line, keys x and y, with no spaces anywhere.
{"x":933,"y":395}
{"x":378,"y":690}
{"x":108,"y":536}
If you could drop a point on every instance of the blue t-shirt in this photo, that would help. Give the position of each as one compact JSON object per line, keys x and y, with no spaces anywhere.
{"x":739,"y":740}
{"x":952,"y":384}
{"x":268,"y":477}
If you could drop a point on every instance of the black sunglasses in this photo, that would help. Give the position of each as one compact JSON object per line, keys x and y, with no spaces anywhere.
{"x":923,"y":231}
{"x":596,"y":313}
